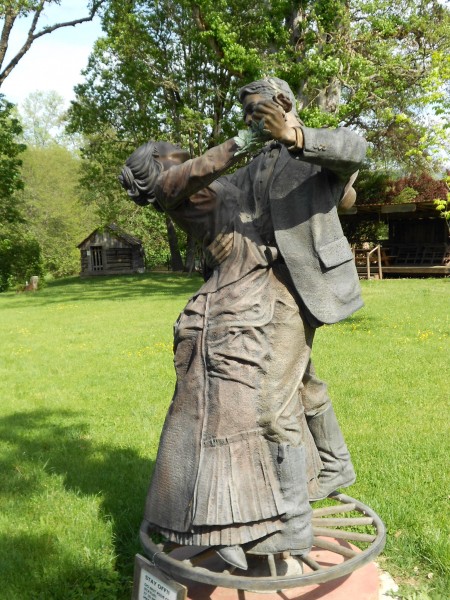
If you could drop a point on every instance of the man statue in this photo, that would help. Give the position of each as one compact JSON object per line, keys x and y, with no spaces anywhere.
{"x":233,"y":466}
{"x":295,"y":188}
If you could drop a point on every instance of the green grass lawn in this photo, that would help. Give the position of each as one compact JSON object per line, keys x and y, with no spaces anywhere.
{"x":85,"y":380}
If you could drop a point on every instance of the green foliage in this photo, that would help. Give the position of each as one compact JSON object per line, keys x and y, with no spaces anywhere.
{"x":167,"y":89}
{"x":44,"y":119}
{"x":172,"y":70}
{"x":442,"y":203}
{"x":372,"y":185}
{"x":443,"y":207}
{"x":166,"y":70}
{"x":20,"y":257}
{"x":364,"y":231}
{"x":10,"y":150}
{"x":376,"y":187}
{"x":55,"y":215}
{"x":19,"y":251}
{"x":41,"y":114}
{"x":408,"y":194}
{"x":23,"y":7}
{"x":150,"y":227}
{"x":171,"y":84}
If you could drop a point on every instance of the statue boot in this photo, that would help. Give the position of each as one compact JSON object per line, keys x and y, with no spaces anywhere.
{"x":234,"y":556}
{"x":296,"y":536}
{"x":337,"y":469}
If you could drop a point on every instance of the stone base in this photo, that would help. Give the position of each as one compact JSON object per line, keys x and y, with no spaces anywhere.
{"x":362,"y":584}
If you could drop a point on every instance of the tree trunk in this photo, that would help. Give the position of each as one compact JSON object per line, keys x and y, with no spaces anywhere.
{"x":328,"y":99}
{"x":176,"y":262}
{"x":190,"y":254}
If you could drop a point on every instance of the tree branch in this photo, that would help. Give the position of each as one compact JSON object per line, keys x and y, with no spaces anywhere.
{"x":10,"y":17}
{"x":200,"y":22}
{"x":212,"y":41}
{"x":32,"y":36}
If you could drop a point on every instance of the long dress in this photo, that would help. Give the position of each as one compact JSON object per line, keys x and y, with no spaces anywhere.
{"x":242,"y":348}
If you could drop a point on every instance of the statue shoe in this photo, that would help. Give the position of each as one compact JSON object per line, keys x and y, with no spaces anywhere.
{"x":337,"y":468}
{"x":330,"y":482}
{"x":234,"y":556}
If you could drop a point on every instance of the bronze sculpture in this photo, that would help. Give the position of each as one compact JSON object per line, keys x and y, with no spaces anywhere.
{"x":236,"y":456}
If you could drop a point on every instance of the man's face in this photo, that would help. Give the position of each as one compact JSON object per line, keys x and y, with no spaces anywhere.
{"x":170,"y":155}
{"x":248,"y":106}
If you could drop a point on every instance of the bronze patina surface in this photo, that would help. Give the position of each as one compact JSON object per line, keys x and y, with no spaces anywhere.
{"x":251,"y":438}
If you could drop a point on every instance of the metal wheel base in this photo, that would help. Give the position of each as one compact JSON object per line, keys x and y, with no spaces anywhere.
{"x":344,"y":520}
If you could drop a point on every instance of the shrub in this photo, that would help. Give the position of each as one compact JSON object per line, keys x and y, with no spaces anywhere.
{"x":378,"y":187}
{"x":408,"y":194}
{"x":20,"y":258}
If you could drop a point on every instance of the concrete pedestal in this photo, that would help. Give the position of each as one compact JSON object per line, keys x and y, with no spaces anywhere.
{"x":362,"y":584}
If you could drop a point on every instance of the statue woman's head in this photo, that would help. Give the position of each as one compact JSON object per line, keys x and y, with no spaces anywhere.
{"x":143,"y":167}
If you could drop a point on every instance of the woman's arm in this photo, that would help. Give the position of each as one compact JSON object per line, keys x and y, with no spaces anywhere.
{"x":182,"y":181}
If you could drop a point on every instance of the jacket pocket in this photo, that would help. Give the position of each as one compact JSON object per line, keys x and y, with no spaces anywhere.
{"x":335,"y":253}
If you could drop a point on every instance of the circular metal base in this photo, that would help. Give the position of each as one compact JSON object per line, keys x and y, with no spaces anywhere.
{"x":341,"y":521}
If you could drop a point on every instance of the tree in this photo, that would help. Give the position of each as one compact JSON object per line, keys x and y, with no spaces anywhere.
{"x":378,"y":66}
{"x":10,"y":163}
{"x":143,"y":82}
{"x":171,"y":70}
{"x":50,"y":171}
{"x":20,"y":257}
{"x":55,"y":215}
{"x":19,"y":251}
{"x":44,"y":121}
{"x":12,"y":10}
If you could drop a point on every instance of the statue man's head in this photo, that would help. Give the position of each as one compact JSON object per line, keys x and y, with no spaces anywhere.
{"x":270,"y":88}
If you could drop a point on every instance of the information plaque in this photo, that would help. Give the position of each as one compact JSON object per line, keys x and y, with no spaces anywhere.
{"x":151,"y":584}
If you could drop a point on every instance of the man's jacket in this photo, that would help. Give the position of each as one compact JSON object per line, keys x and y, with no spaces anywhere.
{"x":304,"y":190}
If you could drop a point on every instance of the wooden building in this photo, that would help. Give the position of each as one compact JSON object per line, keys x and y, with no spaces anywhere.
{"x":418,"y":238}
{"x":111,"y":251}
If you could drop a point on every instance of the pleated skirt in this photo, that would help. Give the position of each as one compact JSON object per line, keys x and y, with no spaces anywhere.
{"x":240,"y":353}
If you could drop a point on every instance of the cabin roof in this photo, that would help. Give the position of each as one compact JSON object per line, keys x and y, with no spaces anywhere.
{"x":421,"y":208}
{"x":117,"y":232}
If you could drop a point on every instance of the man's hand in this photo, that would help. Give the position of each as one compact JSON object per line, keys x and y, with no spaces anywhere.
{"x":348,"y":197}
{"x":275,"y":121}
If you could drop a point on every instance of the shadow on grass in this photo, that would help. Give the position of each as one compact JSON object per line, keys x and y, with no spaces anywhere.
{"x":74,"y":289}
{"x":43,"y":443}
{"x":24,"y":579}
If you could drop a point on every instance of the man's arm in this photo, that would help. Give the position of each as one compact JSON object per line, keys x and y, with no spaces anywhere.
{"x":339,"y":150}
